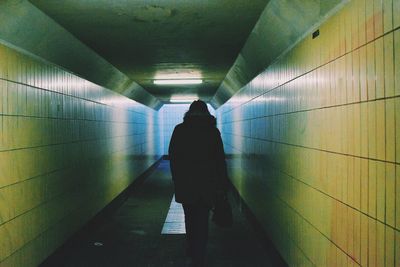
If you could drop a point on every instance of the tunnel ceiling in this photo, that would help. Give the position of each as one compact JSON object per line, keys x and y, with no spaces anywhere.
{"x":281,"y":25}
{"x":156,"y":39}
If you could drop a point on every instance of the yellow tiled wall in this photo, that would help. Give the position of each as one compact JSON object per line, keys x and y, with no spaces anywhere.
{"x":315,"y":141}
{"x":67,"y":148}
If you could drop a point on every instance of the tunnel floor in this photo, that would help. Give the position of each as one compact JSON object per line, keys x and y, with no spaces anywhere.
{"x":131,"y":235}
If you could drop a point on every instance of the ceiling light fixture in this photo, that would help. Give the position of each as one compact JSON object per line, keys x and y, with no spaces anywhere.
{"x":182,"y":100}
{"x":178,"y":81}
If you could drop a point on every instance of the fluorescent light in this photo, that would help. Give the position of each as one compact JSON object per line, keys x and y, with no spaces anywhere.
{"x":178,"y":81}
{"x":182,"y":100}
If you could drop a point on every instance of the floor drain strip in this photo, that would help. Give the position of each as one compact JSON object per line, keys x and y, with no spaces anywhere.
{"x":175,"y":221}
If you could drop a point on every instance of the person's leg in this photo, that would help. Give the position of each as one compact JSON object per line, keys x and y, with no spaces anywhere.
{"x":189,"y":227}
{"x":200,"y":233}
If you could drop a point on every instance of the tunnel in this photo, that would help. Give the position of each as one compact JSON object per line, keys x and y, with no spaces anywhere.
{"x":306,"y":94}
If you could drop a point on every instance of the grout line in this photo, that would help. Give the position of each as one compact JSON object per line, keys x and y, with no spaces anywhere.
{"x":131,"y":109}
{"x":64,"y":168}
{"x":314,"y":109}
{"x":336,"y":199}
{"x":70,"y":119}
{"x":305,"y":73}
{"x":86,"y":221}
{"x":76,"y":142}
{"x":311,"y":148}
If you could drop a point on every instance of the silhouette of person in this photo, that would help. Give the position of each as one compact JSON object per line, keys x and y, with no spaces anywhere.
{"x":198,"y":169}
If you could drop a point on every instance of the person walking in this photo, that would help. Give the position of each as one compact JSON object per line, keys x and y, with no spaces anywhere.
{"x":198,"y":169}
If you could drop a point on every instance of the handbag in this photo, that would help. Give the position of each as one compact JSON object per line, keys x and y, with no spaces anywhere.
{"x":222,"y":212}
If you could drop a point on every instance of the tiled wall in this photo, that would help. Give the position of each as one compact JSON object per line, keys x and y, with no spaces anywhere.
{"x":171,"y":115}
{"x":67,"y":148}
{"x":315,"y":141}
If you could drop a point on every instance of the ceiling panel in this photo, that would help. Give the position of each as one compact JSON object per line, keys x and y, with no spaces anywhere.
{"x":149,"y":39}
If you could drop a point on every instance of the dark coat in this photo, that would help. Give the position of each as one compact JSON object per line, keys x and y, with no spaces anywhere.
{"x":197,"y":160}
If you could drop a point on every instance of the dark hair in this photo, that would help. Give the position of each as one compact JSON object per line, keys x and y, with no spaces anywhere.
{"x":197,"y":107}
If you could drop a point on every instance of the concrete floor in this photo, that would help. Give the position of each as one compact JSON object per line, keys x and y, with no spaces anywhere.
{"x":131,"y":235}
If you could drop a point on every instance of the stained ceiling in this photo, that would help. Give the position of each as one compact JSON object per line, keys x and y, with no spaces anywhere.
{"x":148,"y":40}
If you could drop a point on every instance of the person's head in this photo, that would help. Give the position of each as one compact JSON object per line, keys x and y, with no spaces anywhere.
{"x":197,"y":108}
